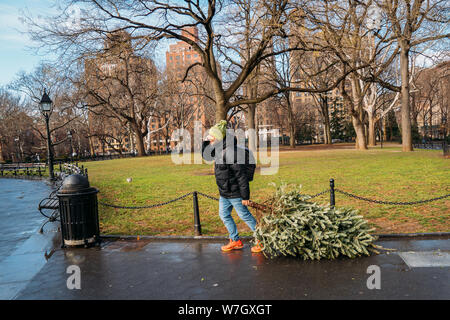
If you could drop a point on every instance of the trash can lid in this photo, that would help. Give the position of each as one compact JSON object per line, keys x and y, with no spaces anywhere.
{"x":75,"y":183}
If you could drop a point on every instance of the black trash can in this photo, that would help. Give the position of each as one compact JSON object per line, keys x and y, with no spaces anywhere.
{"x":78,"y":210}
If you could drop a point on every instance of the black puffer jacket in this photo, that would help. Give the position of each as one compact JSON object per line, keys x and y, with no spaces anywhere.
{"x":231,"y":177}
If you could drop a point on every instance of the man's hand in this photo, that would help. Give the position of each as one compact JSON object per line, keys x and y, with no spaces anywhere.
{"x":245,"y":202}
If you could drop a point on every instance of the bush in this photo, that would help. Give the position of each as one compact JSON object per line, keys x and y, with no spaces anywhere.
{"x":297,"y":227}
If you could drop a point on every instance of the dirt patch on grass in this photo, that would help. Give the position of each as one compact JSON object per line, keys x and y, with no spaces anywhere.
{"x":203,"y":173}
{"x":315,"y":147}
{"x":337,"y":146}
{"x":389,"y":225}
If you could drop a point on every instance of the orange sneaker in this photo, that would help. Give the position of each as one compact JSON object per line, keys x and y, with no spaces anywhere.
{"x":257,"y":248}
{"x":233,"y":245}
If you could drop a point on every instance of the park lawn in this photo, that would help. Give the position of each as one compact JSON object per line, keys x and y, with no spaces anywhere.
{"x":383,"y":174}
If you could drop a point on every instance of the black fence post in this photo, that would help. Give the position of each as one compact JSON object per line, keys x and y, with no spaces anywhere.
{"x":332,"y":196}
{"x":197,"y":225}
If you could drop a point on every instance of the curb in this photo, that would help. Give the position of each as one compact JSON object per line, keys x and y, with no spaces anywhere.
{"x":169,"y":238}
{"x":412,"y":236}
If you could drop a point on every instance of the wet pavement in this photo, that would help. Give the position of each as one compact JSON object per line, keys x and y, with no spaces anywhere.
{"x":22,"y":248}
{"x":196,"y":269}
{"x":33,"y":266}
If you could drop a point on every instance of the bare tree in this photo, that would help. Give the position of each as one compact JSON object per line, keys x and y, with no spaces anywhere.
{"x":31,"y":86}
{"x":121,"y":85}
{"x":150,"y":21}
{"x":413,"y":24}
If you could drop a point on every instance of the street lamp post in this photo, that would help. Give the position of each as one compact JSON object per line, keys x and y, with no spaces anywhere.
{"x":69,"y":135}
{"x":45,"y":105}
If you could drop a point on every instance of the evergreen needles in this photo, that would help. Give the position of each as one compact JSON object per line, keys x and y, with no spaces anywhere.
{"x":297,"y":227}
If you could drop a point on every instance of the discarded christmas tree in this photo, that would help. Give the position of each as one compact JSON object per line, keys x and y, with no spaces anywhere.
{"x":298,"y":227}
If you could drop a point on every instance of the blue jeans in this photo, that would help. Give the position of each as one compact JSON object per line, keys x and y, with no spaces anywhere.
{"x":225,"y":208}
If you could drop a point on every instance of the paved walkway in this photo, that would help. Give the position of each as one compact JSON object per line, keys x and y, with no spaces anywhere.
{"x":196,"y":269}
{"x":22,"y":248}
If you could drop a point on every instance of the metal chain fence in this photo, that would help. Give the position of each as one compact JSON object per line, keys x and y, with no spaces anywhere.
{"x":208,"y":196}
{"x":397,"y":203}
{"x":146,"y":207}
{"x":317,"y":194}
{"x":310,"y":197}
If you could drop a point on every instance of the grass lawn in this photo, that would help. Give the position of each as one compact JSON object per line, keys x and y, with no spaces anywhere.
{"x":383,"y":174}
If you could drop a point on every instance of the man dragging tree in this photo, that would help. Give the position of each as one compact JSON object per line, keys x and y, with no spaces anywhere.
{"x":233,"y":168}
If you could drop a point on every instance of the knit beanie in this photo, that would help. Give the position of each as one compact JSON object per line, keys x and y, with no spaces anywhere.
{"x":218,"y":130}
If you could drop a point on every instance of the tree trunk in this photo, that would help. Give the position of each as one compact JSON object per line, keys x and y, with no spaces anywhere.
{"x":291,"y":123}
{"x":360,"y":143}
{"x":292,"y":134}
{"x":221,"y":112}
{"x":372,"y":123}
{"x":139,"y":140}
{"x":406,"y":118}
{"x":327,"y":131}
{"x":251,"y":126}
{"x":2,"y":160}
{"x":91,"y":146}
{"x":326,"y":119}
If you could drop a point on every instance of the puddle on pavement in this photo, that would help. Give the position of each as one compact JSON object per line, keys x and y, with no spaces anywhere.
{"x":125,"y":246}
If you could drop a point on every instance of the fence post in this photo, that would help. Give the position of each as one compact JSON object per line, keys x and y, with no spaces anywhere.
{"x":197,"y":225}
{"x":39,"y":170}
{"x":332,"y":196}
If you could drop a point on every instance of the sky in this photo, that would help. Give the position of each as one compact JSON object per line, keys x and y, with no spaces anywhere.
{"x":15,"y":54}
